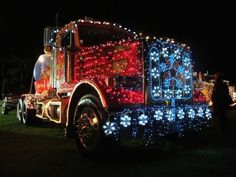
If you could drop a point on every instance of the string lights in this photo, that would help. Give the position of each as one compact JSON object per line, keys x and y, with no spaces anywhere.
{"x":156,"y":121}
{"x":170,"y":77}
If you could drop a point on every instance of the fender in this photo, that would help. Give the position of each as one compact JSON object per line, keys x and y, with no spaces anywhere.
{"x":74,"y":93}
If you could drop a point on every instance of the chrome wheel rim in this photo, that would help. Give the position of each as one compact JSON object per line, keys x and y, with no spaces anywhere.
{"x":88,"y":130}
{"x":19,"y":112}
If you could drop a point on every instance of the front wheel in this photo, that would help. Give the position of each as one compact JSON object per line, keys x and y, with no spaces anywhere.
{"x":88,"y":118}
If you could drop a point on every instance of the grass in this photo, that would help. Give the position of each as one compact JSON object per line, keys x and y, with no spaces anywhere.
{"x":43,"y":151}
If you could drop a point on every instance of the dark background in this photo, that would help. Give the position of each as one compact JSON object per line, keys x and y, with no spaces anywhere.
{"x":207,"y":27}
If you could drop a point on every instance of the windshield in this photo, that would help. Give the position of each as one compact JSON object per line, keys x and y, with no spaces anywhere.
{"x":91,"y":35}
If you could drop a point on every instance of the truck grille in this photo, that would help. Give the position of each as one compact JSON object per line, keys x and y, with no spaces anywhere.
{"x":170,"y":71}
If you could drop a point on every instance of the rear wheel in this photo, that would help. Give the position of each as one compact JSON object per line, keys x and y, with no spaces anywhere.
{"x":4,"y":109}
{"x":88,"y":117}
{"x":19,"y":110}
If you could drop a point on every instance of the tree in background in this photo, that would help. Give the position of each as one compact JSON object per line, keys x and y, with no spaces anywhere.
{"x":16,"y":73}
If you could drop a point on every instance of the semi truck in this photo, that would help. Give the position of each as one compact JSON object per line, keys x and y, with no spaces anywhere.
{"x":101,"y":80}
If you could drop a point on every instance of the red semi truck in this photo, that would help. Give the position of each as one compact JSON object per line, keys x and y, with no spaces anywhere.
{"x":100,"y":80}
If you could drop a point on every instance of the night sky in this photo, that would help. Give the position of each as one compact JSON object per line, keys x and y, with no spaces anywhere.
{"x":208,"y":28}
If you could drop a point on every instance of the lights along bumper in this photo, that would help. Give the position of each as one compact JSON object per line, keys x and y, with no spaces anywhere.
{"x":149,"y":123}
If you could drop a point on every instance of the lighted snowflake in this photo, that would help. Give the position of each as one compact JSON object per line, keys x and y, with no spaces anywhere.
{"x":179,"y":94}
{"x":191,"y":113}
{"x":154,"y":55}
{"x":167,"y":82}
{"x":180,"y":113}
{"x":187,"y":74}
{"x":125,"y":120}
{"x":155,"y":73}
{"x":200,"y":112}
{"x":187,"y":89}
{"x":208,"y":113}
{"x":170,"y":115}
{"x":158,"y":115}
{"x":156,"y":91}
{"x":177,"y":53}
{"x":167,"y":94}
{"x":186,"y":60}
{"x":109,"y":128}
{"x":143,"y":119}
{"x":165,"y":52}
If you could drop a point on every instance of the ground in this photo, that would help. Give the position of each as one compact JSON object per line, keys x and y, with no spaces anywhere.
{"x":42,"y":151}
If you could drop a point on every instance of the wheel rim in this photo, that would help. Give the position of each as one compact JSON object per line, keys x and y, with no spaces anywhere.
{"x":24,"y":114}
{"x":19,"y":112}
{"x":88,"y":130}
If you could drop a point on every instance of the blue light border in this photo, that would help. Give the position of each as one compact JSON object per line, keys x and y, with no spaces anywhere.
{"x":157,"y":45}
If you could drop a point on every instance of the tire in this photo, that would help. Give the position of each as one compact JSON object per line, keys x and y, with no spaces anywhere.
{"x":19,"y":109}
{"x":28,"y":115}
{"x":89,"y":117}
{"x":4,"y":109}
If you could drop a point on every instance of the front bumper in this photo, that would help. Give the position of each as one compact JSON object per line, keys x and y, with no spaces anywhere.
{"x":149,"y":123}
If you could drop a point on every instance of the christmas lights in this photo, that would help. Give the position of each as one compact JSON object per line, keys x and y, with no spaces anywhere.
{"x":114,"y":59}
{"x":144,"y":85}
{"x":151,"y":122}
{"x":125,"y":120}
{"x":171,"y":72}
{"x":109,"y":128}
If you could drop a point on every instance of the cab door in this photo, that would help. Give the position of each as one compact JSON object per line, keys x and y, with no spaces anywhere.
{"x":66,"y":55}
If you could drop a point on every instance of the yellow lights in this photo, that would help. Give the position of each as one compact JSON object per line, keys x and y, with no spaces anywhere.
{"x":106,"y":23}
{"x":97,"y":22}
{"x":119,"y":66}
{"x":90,"y":20}
{"x":95,"y":121}
{"x":81,"y":20}
{"x":30,"y":101}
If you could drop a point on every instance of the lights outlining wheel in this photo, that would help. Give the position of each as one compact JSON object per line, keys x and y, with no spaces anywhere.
{"x":88,"y":124}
